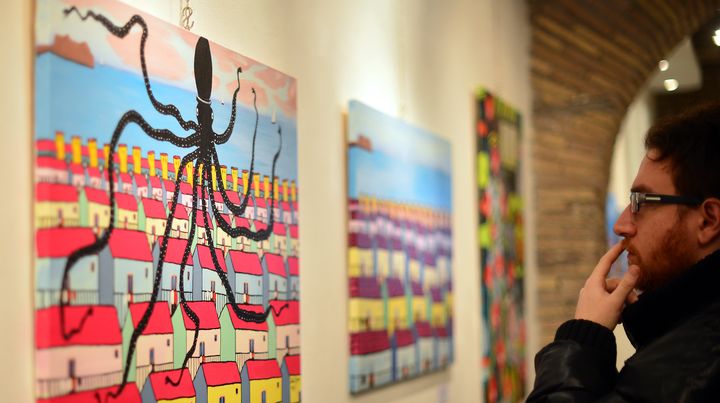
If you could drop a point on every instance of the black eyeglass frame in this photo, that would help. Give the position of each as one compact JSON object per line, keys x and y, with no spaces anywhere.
{"x":638,"y":198}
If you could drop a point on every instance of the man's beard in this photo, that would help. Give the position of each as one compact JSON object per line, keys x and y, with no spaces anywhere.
{"x":665,"y":263}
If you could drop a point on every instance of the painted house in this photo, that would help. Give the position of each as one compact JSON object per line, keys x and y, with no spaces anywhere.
{"x":274,"y":277}
{"x":207,"y":348}
{"x":285,"y":326}
{"x":141,"y":186}
{"x":97,"y":178}
{"x":90,"y":359}
{"x":53,"y":246}
{"x":366,"y":307}
{"x":248,"y":273}
{"x":220,"y":202}
{"x":130,"y":394}
{"x":201,"y":237}
{"x":180,"y":222}
{"x":404,"y":361}
{"x":439,"y":309}
{"x":294,"y":278}
{"x":414,"y":264}
{"x":126,"y":268}
{"x":172,"y":386}
{"x":278,"y":239}
{"x":249,"y":212}
{"x":51,"y":170}
{"x":152,"y":218}
{"x":218,"y":382}
{"x":262,"y":381}
{"x":126,"y":184}
{"x":261,"y":247}
{"x":294,"y":249}
{"x":443,"y":346}
{"x":242,"y":340}
{"x":154,"y":348}
{"x":261,"y":209}
{"x":126,"y":211}
{"x":56,"y":205}
{"x":396,"y":305}
{"x":241,"y":242}
{"x":77,"y":175}
{"x":285,"y":213}
{"x":207,"y":285}
{"x":419,"y":305}
{"x":156,"y":188}
{"x":370,"y":360}
{"x":360,"y":256}
{"x":423,"y":334}
{"x":221,"y":238}
{"x":169,"y":192}
{"x":398,"y":258}
{"x":381,"y":256}
{"x":171,"y":273}
{"x":94,"y":209}
{"x":186,"y":195}
{"x":290,"y":370}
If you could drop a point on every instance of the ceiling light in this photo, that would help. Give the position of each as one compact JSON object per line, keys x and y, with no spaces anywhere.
{"x":663,"y":65}
{"x":671,"y":84}
{"x":716,"y":37}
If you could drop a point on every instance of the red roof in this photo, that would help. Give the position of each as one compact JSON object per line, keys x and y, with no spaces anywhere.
{"x":241,"y":222}
{"x":260,"y":202}
{"x":285,"y":206}
{"x":140,"y":181}
{"x":163,"y":384}
{"x":294,"y":231}
{"x":279,"y":229}
{"x":260,"y":226}
{"x":244,"y":262}
{"x":155,"y":182}
{"x":98,"y":196}
{"x":423,"y":329}
{"x":369,"y":342}
{"x":395,"y":287}
{"x":275,"y":264}
{"x":153,"y":208}
{"x":51,"y":162}
{"x":126,"y":178}
{"x":286,"y":312}
{"x":180,"y":212}
{"x":292,"y":363}
{"x":95,"y":173}
{"x":169,"y":185}
{"x":240,"y":324}
{"x":130,"y":394}
{"x":206,"y":260}
{"x":262,"y":369}
{"x":441,"y":332}
{"x":159,"y":322}
{"x":61,"y":242}
{"x":232,"y":196}
{"x":200,"y":219}
{"x":131,"y":245}
{"x":365,"y":287}
{"x":45,"y":145}
{"x":186,"y":189}
{"x":54,"y":192}
{"x":77,"y":169}
{"x":417,"y":289}
{"x":205,"y":311}
{"x":403,"y":337}
{"x":126,"y":201}
{"x":220,"y":373}
{"x":294,"y":264}
{"x":175,"y":250}
{"x":100,"y":326}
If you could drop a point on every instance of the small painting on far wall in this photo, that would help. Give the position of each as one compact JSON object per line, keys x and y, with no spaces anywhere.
{"x":500,"y":232}
{"x":399,"y":250}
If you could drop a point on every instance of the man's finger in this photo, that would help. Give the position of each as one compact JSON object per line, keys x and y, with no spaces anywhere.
{"x":603,"y":267}
{"x":611,"y":284}
{"x":626,"y":286}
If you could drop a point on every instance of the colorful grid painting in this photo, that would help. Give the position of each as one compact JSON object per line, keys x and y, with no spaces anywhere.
{"x":399,"y":252}
{"x":501,"y":248}
{"x":166,"y":202}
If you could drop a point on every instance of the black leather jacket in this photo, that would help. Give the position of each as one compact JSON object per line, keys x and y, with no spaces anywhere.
{"x":676,"y":331}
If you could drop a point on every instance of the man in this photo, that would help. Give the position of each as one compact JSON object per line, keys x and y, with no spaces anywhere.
{"x":671,"y":231}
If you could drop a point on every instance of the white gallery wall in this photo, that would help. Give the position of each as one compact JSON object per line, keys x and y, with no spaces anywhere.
{"x":420,"y":60}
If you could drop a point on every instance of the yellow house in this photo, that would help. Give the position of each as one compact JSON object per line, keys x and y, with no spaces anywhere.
{"x":219,"y":381}
{"x":383,"y":256}
{"x":94,"y":209}
{"x":152,"y":218}
{"x":396,"y":305}
{"x":439,"y":309}
{"x":366,"y":308}
{"x":262,"y":381}
{"x":126,"y":211}
{"x":360,"y":256}
{"x":419,"y":303}
{"x":56,"y":206}
{"x":290,"y":370}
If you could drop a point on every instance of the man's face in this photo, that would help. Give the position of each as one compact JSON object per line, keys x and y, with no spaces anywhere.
{"x":658,"y":237}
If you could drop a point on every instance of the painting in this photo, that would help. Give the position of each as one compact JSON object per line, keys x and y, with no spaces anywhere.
{"x":399,"y":250}
{"x":500,"y":233}
{"x":166,"y":214}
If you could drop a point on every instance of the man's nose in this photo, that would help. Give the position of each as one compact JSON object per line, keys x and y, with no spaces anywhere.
{"x":624,"y":226}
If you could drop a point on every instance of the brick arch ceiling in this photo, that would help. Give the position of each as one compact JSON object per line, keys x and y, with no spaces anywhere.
{"x":588,"y":60}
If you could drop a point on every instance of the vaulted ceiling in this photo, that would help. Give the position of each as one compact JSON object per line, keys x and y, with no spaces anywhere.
{"x":589,"y":58}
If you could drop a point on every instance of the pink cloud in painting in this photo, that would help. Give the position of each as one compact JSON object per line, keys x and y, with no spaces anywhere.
{"x":229,"y":61}
{"x":288,"y":106}
{"x":170,"y":65}
{"x":272,"y":78}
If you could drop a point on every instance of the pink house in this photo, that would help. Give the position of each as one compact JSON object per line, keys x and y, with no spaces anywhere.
{"x":51,"y":170}
{"x":207,"y":348}
{"x":286,"y":327}
{"x":154,"y":347}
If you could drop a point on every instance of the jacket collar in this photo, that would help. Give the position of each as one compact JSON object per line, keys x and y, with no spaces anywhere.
{"x":659,"y":311}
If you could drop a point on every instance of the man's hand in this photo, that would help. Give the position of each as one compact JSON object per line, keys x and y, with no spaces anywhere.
{"x":600,"y":302}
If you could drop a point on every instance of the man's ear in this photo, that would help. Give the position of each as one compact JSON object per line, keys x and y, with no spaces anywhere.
{"x":710,"y":225}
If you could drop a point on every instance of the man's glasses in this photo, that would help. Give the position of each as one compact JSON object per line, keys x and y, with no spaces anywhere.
{"x":638,"y":198}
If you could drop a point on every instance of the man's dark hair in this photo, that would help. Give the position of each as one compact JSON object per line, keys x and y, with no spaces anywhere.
{"x":691,"y":141}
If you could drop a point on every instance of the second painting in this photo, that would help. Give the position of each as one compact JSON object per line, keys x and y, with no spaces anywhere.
{"x":399,"y":250}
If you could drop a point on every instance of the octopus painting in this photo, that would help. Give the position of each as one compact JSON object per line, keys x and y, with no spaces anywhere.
{"x":203,"y":225}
